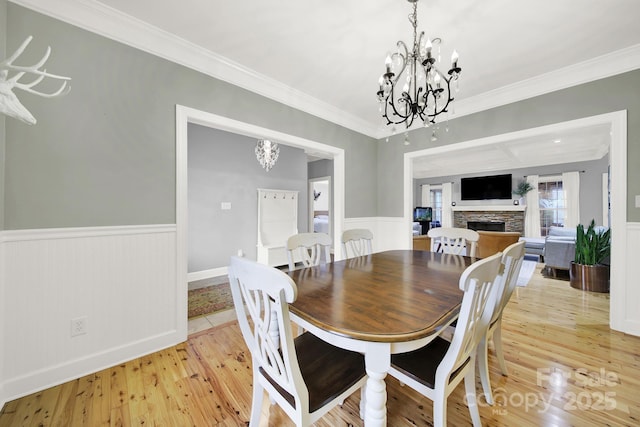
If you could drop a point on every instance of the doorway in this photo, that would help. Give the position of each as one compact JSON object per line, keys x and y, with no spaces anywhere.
{"x":185,"y":115}
{"x":618,"y":196}
{"x":320,"y":205}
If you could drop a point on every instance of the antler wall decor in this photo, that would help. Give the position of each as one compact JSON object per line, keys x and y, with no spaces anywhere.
{"x":9,"y":103}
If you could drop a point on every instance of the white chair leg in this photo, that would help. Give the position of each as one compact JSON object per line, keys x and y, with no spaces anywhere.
{"x":483,"y":369}
{"x":363,"y":400}
{"x":440,"y":410}
{"x":256,"y":404}
{"x":497,"y":343}
{"x":470,"y":389}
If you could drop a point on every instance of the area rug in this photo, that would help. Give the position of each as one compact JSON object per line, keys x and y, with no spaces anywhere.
{"x":526,"y":272}
{"x":210,"y":299}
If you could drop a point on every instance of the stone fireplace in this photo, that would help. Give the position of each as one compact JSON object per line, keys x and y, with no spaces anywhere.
{"x":490,"y":217}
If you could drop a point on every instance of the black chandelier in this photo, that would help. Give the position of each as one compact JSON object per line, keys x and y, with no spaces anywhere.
{"x":426,"y":91}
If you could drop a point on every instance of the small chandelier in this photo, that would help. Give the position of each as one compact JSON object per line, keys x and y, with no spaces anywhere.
{"x":412,"y":85}
{"x":267,"y":153}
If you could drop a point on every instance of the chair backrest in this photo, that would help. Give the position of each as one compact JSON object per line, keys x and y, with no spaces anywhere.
{"x":309,"y":248}
{"x":453,"y":240}
{"x":478,"y":282}
{"x":512,"y":258}
{"x":263,"y":293}
{"x":356,"y":242}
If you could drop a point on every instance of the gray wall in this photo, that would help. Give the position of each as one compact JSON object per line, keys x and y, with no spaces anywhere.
{"x":3,"y":39}
{"x":320,"y":168}
{"x":589,"y":99}
{"x":590,"y":185}
{"x":105,"y":153}
{"x":223,"y":168}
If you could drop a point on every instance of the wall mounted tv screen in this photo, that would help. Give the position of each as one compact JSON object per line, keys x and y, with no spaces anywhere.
{"x":486,"y":187}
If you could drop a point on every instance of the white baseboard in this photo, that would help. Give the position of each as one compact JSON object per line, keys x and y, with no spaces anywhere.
{"x":207,"y":274}
{"x":59,"y":374}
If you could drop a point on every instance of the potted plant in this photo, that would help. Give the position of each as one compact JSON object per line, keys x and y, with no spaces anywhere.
{"x":522,"y":189}
{"x":592,"y":248}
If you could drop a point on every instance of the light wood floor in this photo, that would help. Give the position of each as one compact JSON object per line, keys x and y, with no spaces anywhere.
{"x":567,"y":368}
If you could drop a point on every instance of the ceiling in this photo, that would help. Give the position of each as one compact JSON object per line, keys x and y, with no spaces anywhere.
{"x":547,"y":148}
{"x":325,"y":56}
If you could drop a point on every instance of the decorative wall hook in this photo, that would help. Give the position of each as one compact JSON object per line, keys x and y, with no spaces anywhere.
{"x":9,"y":103}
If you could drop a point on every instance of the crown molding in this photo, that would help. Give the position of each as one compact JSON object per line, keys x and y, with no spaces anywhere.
{"x":607,"y":65}
{"x":616,"y":62}
{"x":98,"y":18}
{"x":106,"y":21}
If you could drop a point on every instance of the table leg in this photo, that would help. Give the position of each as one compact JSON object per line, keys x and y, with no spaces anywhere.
{"x":377,"y":361}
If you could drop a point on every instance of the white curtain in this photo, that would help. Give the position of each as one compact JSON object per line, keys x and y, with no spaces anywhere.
{"x":426,"y":196}
{"x":571,"y":190}
{"x":447,"y":212}
{"x":532,"y":212}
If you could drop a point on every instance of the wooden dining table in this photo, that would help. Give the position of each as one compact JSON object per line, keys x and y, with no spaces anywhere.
{"x":380,"y":304}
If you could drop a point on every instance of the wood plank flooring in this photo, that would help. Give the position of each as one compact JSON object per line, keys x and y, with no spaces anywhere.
{"x":567,"y":368}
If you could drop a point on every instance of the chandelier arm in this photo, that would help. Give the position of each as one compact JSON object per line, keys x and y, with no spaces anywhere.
{"x":404,"y":58}
{"x":396,"y":113}
{"x":391,"y":102}
{"x":444,"y":108}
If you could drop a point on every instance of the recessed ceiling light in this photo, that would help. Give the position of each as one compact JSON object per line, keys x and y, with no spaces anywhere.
{"x":557,"y":141}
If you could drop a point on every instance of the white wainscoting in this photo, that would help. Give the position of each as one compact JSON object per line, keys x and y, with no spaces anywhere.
{"x":388,"y":232}
{"x":3,"y":321}
{"x":625,"y":300}
{"x":123,"y":279}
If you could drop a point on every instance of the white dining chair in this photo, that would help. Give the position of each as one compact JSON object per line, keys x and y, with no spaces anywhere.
{"x":437,"y":368}
{"x":512,"y":258}
{"x":357,"y":242}
{"x":310,"y":249}
{"x":452,"y":240}
{"x":305,"y":376}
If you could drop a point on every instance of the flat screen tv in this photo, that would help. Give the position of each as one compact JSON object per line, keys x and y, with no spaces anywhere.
{"x":422,"y":214}
{"x":486,"y":187}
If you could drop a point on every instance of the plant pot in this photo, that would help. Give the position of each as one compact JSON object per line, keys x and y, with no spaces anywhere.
{"x":593,"y":278}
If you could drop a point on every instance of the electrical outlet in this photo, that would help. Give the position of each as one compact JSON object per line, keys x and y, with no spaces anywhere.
{"x":78,"y":326}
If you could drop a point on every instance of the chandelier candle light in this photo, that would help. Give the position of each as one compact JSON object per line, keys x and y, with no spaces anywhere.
{"x":267,"y":153}
{"x":424,"y":91}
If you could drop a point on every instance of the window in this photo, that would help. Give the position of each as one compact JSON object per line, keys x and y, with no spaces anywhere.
{"x":552,"y":203}
{"x":436,"y":204}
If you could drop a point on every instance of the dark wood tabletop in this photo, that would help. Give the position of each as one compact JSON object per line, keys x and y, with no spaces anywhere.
{"x":391,"y":296}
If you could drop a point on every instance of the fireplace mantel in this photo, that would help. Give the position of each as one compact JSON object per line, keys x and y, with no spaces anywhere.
{"x":492,"y":208}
